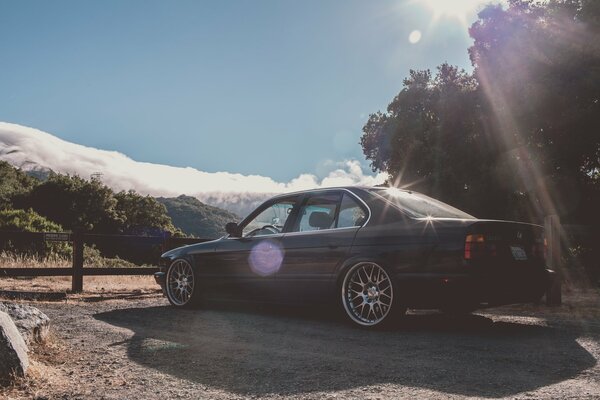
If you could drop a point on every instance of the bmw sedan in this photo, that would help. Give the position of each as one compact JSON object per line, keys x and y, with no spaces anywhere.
{"x":374,"y":251}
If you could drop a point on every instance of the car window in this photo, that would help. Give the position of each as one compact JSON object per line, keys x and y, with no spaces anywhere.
{"x":351,"y":214}
{"x":419,"y":205}
{"x":271,"y":220}
{"x":319,"y":212}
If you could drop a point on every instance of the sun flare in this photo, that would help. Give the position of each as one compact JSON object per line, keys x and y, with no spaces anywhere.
{"x":458,"y":9}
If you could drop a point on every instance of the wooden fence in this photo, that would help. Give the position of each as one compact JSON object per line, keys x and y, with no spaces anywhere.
{"x":78,"y":240}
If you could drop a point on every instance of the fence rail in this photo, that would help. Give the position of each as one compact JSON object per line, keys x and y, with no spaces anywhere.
{"x":78,"y":240}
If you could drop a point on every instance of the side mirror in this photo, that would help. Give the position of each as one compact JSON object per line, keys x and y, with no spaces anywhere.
{"x":233,"y":229}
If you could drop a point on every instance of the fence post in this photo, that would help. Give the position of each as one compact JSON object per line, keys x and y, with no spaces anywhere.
{"x":77,"y":281}
{"x":166,"y":244}
{"x":554,"y":258}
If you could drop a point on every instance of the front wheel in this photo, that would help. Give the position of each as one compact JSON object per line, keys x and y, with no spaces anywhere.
{"x":368,"y":295}
{"x":181,"y":285}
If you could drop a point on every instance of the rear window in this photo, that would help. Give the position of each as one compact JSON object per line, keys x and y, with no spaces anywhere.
{"x":419,"y":205}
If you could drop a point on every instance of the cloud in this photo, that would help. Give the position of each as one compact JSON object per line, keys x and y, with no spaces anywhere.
{"x":32,"y":149}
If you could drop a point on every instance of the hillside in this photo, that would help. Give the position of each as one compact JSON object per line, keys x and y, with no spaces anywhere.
{"x":196,"y":218}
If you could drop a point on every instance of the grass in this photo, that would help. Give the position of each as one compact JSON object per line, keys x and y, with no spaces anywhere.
{"x":92,"y":284}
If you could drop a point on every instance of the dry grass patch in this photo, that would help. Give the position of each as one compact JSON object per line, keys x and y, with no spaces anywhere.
{"x":92,"y":284}
{"x":43,"y":372}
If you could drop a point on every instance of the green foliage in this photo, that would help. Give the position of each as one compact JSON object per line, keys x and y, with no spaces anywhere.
{"x":13,"y":182}
{"x":143,"y":215}
{"x":516,"y":139}
{"x":90,"y":205}
{"x":196,"y":218}
{"x":26,"y":221}
{"x":539,"y":74}
{"x":74,"y":202}
{"x":430,"y":139}
{"x":30,"y":221}
{"x":93,"y":258}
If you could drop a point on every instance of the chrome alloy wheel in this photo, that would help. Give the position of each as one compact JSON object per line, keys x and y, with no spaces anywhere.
{"x":180,"y":282}
{"x":367,"y":294}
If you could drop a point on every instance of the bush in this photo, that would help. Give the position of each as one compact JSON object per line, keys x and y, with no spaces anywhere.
{"x":30,"y":221}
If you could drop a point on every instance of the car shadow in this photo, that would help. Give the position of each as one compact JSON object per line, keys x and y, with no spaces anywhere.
{"x":260,"y":350}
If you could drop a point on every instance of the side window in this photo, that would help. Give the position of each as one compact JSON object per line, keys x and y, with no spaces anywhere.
{"x":271,"y":220}
{"x":319,"y":212}
{"x":351,"y":214}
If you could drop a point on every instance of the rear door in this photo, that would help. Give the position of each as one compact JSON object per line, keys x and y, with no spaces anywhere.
{"x":315,"y":244}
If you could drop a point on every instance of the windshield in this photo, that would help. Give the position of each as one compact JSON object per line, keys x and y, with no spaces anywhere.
{"x":420,"y":205}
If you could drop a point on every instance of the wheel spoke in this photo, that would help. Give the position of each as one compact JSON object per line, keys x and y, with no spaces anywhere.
{"x":359,"y":277}
{"x":180,"y":282}
{"x":367,"y":293}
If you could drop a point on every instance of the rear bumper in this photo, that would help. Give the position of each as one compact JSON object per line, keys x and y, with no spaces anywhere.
{"x":442,"y":290}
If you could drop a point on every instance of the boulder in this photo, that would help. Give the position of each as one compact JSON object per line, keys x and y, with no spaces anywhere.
{"x":31,"y":322}
{"x":13,"y":350}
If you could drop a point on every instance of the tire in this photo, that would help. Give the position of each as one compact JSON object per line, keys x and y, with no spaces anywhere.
{"x":368,"y":296}
{"x":181,"y":286}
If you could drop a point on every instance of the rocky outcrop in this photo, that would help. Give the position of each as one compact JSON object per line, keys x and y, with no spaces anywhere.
{"x":31,"y":322}
{"x":13,"y":350}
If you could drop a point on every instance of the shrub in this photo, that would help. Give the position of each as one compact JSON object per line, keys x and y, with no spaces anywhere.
{"x":30,"y":221}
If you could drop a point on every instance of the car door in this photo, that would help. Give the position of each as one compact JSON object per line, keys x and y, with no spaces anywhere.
{"x":245,"y":266}
{"x":316,"y":242}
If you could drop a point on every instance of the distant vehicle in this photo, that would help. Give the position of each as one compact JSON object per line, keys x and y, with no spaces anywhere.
{"x":375,"y":251}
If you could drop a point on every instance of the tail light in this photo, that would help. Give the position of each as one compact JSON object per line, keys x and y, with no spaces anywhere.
{"x":474,"y":246}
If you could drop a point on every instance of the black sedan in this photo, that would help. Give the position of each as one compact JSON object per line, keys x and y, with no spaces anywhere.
{"x":374,"y":251}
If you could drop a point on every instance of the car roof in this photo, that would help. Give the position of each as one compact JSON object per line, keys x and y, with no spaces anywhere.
{"x":350,"y":187}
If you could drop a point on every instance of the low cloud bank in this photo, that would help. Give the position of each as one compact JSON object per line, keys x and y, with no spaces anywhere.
{"x":32,"y":149}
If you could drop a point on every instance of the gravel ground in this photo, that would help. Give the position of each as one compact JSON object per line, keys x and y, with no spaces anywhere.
{"x":143,"y":348}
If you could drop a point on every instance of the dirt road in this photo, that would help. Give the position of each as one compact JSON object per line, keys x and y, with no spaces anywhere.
{"x":142,"y":348}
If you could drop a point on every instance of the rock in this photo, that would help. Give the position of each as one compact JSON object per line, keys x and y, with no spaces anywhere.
{"x":31,"y":322}
{"x":13,"y":350}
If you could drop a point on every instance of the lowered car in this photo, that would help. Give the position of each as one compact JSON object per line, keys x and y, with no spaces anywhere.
{"x":375,"y":251}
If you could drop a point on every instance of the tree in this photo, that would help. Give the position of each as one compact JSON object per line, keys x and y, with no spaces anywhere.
{"x":538,"y":67}
{"x":74,"y":202}
{"x":518,"y":138}
{"x":13,"y":182}
{"x":143,"y":215}
{"x":430,"y":140}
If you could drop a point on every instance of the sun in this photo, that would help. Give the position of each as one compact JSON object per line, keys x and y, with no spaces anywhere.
{"x":458,"y":9}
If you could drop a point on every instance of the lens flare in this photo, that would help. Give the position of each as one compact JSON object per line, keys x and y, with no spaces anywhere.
{"x":414,"y":37}
{"x":266,"y":257}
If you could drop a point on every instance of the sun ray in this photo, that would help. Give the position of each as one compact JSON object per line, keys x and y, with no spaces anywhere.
{"x":461,"y":10}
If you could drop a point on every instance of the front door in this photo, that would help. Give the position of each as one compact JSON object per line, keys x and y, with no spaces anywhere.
{"x":245,"y":266}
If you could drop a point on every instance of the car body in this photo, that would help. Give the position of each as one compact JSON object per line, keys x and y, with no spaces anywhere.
{"x":375,"y":251}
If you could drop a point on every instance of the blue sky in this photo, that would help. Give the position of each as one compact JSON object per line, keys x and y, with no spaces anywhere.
{"x":268,"y":87}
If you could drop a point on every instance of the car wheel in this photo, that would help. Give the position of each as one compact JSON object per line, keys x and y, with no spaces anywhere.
{"x":181,"y":285}
{"x":368,"y":295}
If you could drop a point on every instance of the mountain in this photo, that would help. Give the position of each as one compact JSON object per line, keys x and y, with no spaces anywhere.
{"x":38,"y":152}
{"x":196,"y":218}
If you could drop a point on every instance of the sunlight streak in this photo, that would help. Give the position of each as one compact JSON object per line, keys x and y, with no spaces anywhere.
{"x":461,"y":10}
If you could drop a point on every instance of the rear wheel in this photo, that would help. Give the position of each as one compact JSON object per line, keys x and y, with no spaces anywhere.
{"x":368,"y":295}
{"x":181,"y":286}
